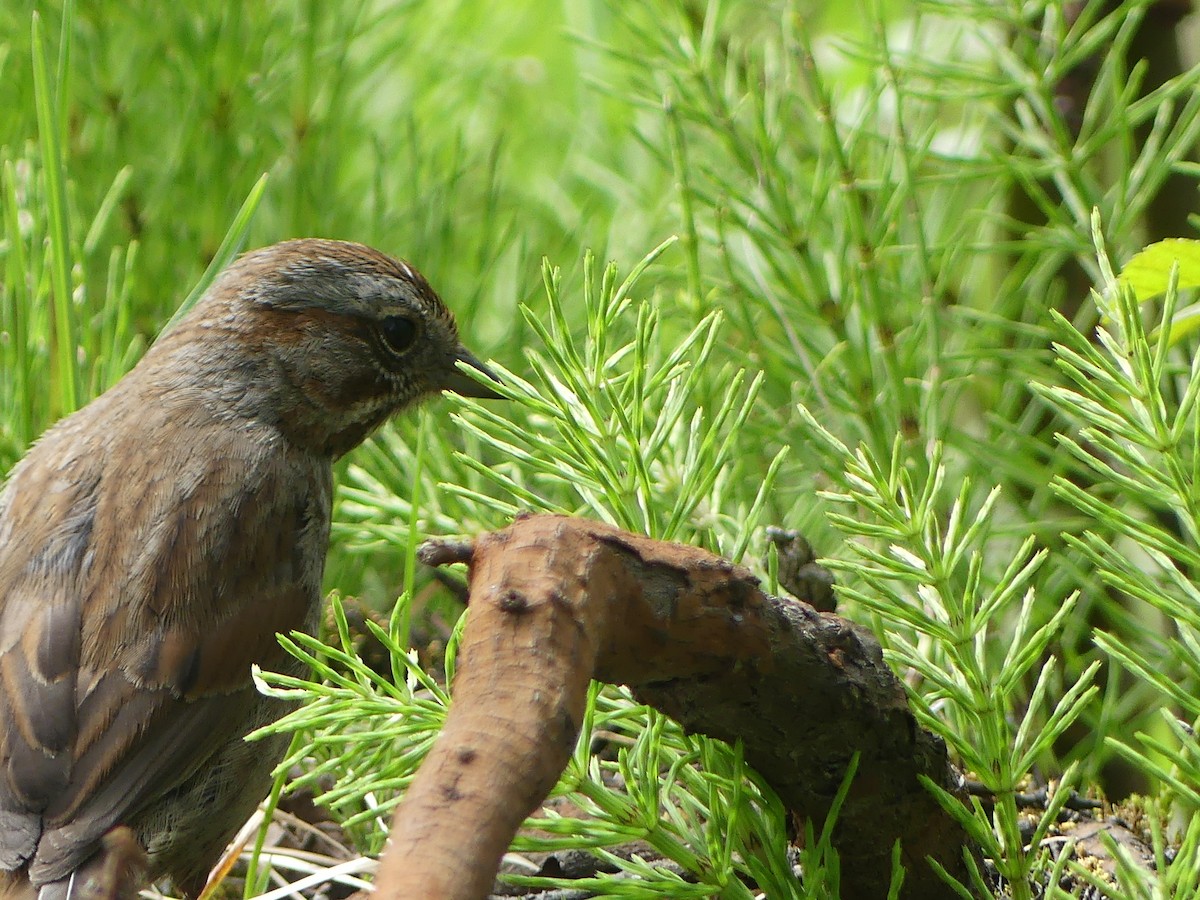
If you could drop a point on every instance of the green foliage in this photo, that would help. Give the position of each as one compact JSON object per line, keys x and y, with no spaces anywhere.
{"x":964,"y":631}
{"x":614,"y":428}
{"x":889,"y":320}
{"x":1134,"y":398}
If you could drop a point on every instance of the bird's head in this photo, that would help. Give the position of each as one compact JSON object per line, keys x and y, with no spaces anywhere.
{"x":331,"y":337}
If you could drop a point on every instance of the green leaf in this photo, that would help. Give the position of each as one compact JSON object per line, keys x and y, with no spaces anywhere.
{"x":47,"y":94}
{"x":1148,"y":273}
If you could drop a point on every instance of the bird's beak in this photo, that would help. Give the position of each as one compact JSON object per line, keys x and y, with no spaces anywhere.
{"x":463,"y":384}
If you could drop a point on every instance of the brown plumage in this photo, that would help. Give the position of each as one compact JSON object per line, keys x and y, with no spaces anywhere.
{"x":153,"y":543}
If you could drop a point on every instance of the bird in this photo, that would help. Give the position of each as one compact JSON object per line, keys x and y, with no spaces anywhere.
{"x":154,"y":542}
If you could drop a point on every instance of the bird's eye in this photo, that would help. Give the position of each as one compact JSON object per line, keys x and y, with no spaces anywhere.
{"x":399,"y":333}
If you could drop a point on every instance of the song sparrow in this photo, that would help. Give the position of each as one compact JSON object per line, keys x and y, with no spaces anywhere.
{"x":154,"y":542}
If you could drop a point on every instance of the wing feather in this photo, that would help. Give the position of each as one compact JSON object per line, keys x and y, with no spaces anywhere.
{"x":139,"y":580}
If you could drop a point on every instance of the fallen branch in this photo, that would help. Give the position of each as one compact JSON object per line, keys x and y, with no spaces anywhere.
{"x":557,"y":601}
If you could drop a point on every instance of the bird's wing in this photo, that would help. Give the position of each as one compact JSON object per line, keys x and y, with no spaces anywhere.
{"x":129,"y":620}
